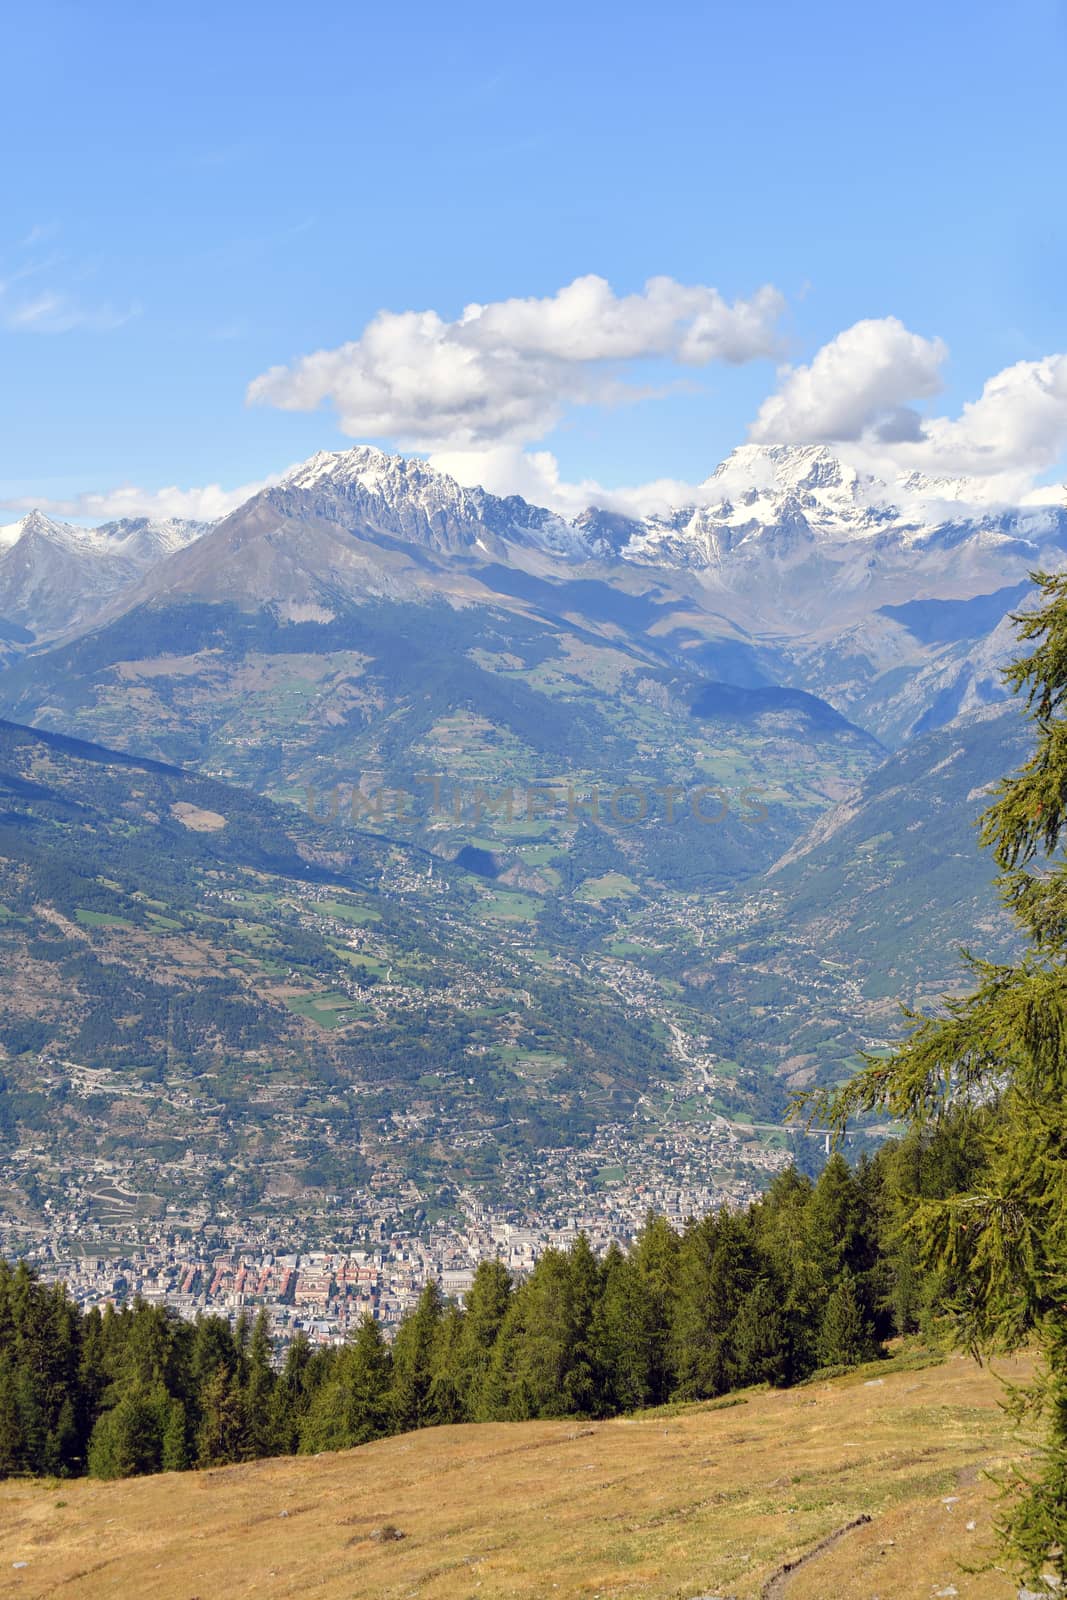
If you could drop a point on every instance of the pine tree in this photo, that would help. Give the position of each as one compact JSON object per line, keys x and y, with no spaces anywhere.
{"x":446,"y":1392}
{"x":174,"y":1454}
{"x":367,"y":1376}
{"x":12,"y":1441}
{"x":484,"y":1311}
{"x":290,"y":1400}
{"x":222,"y":1433}
{"x":840,"y":1229}
{"x":500,"y":1398}
{"x":128,"y":1439}
{"x":761,"y":1336}
{"x":584,"y":1379}
{"x":1001,"y":1238}
{"x":846,"y":1337}
{"x":716,"y":1269}
{"x":92,"y":1376}
{"x":623,"y":1333}
{"x":655,"y":1256}
{"x":414,"y":1354}
{"x":259,"y":1389}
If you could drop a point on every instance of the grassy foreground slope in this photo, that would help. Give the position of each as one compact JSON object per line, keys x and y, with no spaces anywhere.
{"x":708,"y":1500}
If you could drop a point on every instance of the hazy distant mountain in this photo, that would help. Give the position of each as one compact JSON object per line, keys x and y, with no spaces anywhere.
{"x":892,"y":878}
{"x":885,"y":599}
{"x":56,"y":578}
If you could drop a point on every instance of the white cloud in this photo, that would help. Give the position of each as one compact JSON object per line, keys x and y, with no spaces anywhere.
{"x":504,"y":373}
{"x":535,"y":474}
{"x":1017,"y":424}
{"x":862,"y":381}
{"x":204,"y":504}
{"x":50,"y":312}
{"x":859,"y":390}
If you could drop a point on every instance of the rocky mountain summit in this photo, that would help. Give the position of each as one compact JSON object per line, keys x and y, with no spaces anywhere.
{"x":889,"y":600}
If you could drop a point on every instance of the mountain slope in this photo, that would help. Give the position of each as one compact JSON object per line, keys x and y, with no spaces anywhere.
{"x":791,"y":568}
{"x":693,"y":1501}
{"x":892,"y":877}
{"x":240,"y":1002}
{"x":599,"y":759}
{"x":56,"y":578}
{"x":313,"y":688}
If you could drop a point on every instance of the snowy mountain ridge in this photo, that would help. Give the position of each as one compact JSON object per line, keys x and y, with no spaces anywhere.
{"x":762,"y":497}
{"x":815,"y":573}
{"x":55,"y":576}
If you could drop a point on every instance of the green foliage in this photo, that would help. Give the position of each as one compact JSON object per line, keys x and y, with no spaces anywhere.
{"x":845,"y":1335}
{"x":765,"y":1296}
{"x":994,"y":1237}
{"x":410,"y":1394}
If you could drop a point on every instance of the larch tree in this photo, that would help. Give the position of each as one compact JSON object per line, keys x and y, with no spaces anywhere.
{"x":1000,"y":1238}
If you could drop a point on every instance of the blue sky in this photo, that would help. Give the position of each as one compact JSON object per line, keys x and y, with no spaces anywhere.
{"x":195,"y":195}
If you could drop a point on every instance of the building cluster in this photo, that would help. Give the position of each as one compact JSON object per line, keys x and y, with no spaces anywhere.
{"x":230,"y":1267}
{"x":321,"y":1293}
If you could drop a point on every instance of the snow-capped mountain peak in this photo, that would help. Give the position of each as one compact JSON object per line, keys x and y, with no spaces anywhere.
{"x":404,"y":497}
{"x":36,"y":525}
{"x":363,"y":464}
{"x":784,"y":469}
{"x":55,"y":576}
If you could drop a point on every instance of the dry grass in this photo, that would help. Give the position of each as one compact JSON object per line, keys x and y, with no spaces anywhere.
{"x":705,"y":1501}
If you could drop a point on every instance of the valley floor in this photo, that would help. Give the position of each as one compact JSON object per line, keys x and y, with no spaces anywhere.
{"x":710,"y":1500}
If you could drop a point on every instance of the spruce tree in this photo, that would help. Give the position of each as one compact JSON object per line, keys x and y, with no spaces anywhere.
{"x":584,"y":1378}
{"x":367,"y":1375}
{"x":846,"y":1337}
{"x":128,"y":1440}
{"x":655,"y":1256}
{"x":222,"y":1433}
{"x":175,"y":1448}
{"x":414,"y":1354}
{"x":537,"y":1348}
{"x":762,"y":1336}
{"x":12,"y":1441}
{"x":259,"y":1389}
{"x":623,"y":1333}
{"x":1001,"y":1238}
{"x":446,"y":1392}
{"x":715,"y":1271}
{"x":484,"y":1311}
{"x":290,"y":1400}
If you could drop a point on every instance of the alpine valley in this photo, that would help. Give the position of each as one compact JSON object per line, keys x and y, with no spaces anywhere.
{"x":388,"y":847}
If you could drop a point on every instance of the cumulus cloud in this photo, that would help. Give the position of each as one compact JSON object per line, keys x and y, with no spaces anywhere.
{"x":536,"y":476}
{"x":862,"y":381}
{"x":1017,"y":424}
{"x":504,"y":373}
{"x":859,"y":392}
{"x":508,"y":469}
{"x":204,"y":504}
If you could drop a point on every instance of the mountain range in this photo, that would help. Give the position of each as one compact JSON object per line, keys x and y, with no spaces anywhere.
{"x":709,"y":776}
{"x":56,"y":578}
{"x":887,"y":600}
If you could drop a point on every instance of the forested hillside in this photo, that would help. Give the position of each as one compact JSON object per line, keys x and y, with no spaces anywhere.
{"x":810,"y":1277}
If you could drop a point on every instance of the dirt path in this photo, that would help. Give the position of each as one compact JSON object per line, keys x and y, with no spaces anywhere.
{"x":777,"y":1585}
